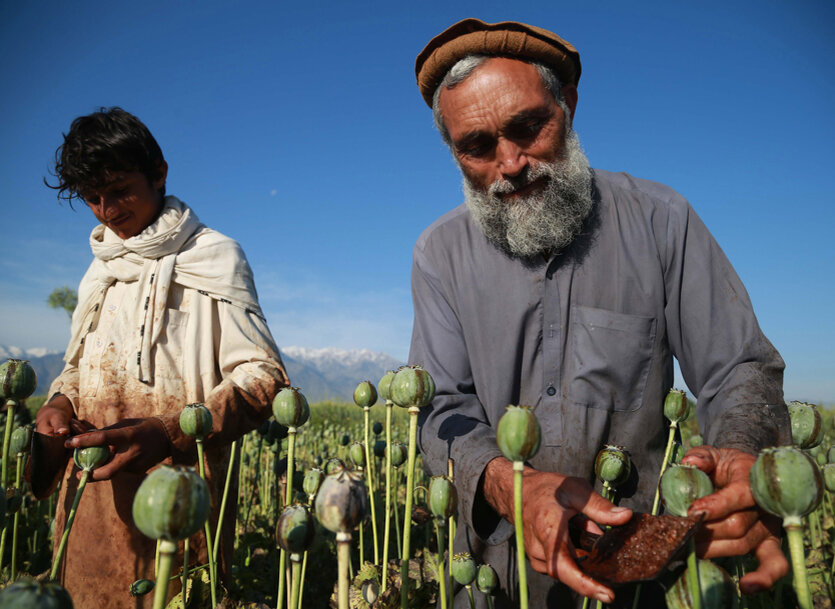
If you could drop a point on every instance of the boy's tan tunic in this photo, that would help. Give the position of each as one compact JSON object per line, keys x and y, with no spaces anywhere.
{"x":209,"y":350}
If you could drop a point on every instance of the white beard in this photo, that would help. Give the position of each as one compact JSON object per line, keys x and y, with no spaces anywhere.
{"x":541,"y":223}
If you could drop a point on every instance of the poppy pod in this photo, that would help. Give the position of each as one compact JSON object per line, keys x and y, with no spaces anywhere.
{"x":786,"y":482}
{"x":412,"y":387}
{"x":342,"y":501}
{"x":290,"y":407}
{"x":294,"y":530}
{"x":717,"y":588}
{"x":681,"y":485}
{"x":91,"y":457}
{"x":141,"y":587}
{"x":365,"y":395}
{"x":676,"y":407}
{"x":196,"y":421}
{"x":807,"y":425}
{"x":612,"y":464}
{"x":312,"y":481}
{"x":463,"y":568}
{"x":384,"y":386}
{"x":172,"y":503}
{"x":17,"y":379}
{"x":486,"y":580}
{"x":21,"y":440}
{"x":31,"y":594}
{"x":399,"y":454}
{"x":443,"y":498}
{"x":518,"y":434}
{"x":357,"y":453}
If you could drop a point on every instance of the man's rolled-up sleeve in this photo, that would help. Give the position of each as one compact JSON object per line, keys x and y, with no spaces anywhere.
{"x":455,"y":424}
{"x":725,"y":359}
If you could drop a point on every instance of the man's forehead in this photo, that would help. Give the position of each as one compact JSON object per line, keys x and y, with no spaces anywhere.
{"x":503,"y":87}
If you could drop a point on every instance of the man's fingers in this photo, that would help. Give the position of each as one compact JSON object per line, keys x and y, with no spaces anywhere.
{"x":109,"y":469}
{"x":92,"y":438}
{"x":735,"y":526}
{"x":564,"y":569}
{"x":772,"y":566}
{"x":704,"y":457}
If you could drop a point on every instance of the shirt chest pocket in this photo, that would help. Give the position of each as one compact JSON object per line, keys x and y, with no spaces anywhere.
{"x":168,"y":352}
{"x":610,"y":358}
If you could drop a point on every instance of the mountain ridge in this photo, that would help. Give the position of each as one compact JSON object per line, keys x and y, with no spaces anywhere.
{"x":327,"y":373}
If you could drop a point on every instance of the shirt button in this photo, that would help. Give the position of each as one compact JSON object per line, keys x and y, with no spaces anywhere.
{"x":550,"y":390}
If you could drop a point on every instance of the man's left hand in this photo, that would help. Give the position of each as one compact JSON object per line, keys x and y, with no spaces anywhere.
{"x":136,"y":444}
{"x":734,"y":525}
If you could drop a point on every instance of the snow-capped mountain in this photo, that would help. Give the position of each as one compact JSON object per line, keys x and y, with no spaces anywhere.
{"x":332,"y":373}
{"x":321,"y":374}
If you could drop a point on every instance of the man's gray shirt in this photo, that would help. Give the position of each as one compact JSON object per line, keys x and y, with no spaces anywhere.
{"x":587,"y":340}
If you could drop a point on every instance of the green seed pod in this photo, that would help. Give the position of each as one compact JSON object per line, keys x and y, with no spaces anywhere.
{"x":312,"y":481}
{"x":681,"y":485}
{"x":365,"y":395}
{"x":384,"y":386}
{"x":290,"y":407}
{"x":357,"y":453}
{"x":264,"y":429}
{"x":294,"y":530}
{"x":399,"y":454}
{"x":334,"y":465}
{"x":17,"y":379}
{"x":612,"y":465}
{"x":141,"y":587}
{"x":443,"y":498}
{"x":676,"y":406}
{"x":90,"y":458}
{"x":807,"y":425}
{"x":21,"y":440}
{"x":718,"y":589}
{"x":412,"y":387}
{"x":31,"y":594}
{"x":696,"y":440}
{"x":828,"y":472}
{"x":13,"y":500}
{"x":342,"y":502}
{"x":377,"y":428}
{"x":463,"y":568}
{"x":380,"y":449}
{"x":172,"y":503}
{"x":196,"y":421}
{"x":486,"y":581}
{"x":518,"y":433}
{"x":345,"y":440}
{"x":786,"y":482}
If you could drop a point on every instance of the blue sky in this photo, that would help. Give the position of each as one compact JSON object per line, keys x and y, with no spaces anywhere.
{"x":297,"y":129}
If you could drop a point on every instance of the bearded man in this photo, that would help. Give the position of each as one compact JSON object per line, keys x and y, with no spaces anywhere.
{"x":570,"y":290}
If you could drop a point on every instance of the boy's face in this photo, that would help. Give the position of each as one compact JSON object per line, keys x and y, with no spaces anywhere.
{"x":128,"y":203}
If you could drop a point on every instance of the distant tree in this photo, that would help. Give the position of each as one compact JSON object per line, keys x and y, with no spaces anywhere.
{"x":63,"y":298}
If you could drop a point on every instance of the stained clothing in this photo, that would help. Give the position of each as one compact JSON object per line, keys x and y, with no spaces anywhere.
{"x":200,"y":346}
{"x":586,"y":338}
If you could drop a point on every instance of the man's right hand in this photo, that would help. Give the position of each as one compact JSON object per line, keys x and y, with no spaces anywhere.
{"x":549,"y":500}
{"x":54,"y":417}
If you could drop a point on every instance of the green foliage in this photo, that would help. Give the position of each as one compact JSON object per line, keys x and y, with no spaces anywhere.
{"x":63,"y":298}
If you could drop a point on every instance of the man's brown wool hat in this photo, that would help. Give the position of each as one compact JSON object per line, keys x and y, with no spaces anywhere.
{"x":508,"y":38}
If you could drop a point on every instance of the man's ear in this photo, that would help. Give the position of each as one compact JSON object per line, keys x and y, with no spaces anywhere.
{"x":162,"y":173}
{"x":569,"y":94}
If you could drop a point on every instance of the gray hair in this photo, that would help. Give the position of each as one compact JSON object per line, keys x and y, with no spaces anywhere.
{"x":464,"y":67}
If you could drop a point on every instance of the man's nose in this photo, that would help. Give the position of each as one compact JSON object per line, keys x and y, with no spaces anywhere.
{"x":512,"y":158}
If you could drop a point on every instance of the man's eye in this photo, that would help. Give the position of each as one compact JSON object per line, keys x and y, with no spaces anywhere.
{"x":476,"y":149}
{"x":528,"y":129}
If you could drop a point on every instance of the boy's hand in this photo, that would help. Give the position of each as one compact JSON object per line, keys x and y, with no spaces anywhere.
{"x":136,"y":445}
{"x":54,"y":417}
